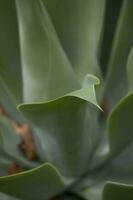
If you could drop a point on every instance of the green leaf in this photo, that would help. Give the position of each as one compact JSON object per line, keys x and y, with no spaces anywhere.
{"x":10,"y":71}
{"x":116,"y":81}
{"x":130,"y":70}
{"x":91,"y":190}
{"x":67,"y":128}
{"x":47,"y":72}
{"x":7,"y":197}
{"x":112,"y":12}
{"x":116,"y":191}
{"x":40,"y":183}
{"x":119,"y":165}
{"x":79,"y":26}
{"x":120,"y":125}
{"x":4,"y":163}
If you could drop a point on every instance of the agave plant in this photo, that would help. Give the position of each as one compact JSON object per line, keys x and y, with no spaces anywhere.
{"x":57,"y":142}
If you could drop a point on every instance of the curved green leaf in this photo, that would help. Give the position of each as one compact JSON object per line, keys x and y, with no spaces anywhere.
{"x":119,"y":166}
{"x":10,"y":71}
{"x":7,"y":197}
{"x":79,"y":26}
{"x":69,"y":126}
{"x":92,"y":190}
{"x":120,"y":125}
{"x":116,"y":81}
{"x":40,"y":183}
{"x":112,"y":12}
{"x":116,"y":191}
{"x":130,"y":70}
{"x":4,"y":163}
{"x":47,"y":72}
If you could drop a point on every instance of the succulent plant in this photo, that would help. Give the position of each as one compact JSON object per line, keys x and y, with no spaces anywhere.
{"x":64,"y":136}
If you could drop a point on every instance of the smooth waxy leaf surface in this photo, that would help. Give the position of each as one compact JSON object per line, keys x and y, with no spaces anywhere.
{"x":40,"y":183}
{"x":59,"y":43}
{"x":120,"y":125}
{"x":10,"y":71}
{"x":66,"y":128}
{"x":118,"y":165}
{"x":117,"y":191}
{"x":45,"y":63}
{"x":112,"y":12}
{"x":130,"y":70}
{"x":116,"y":81}
{"x":47,"y":72}
{"x":79,"y":26}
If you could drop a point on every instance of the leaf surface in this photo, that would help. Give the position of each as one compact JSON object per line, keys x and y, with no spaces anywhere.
{"x":67,"y":125}
{"x":40,"y":183}
{"x":130,"y":70}
{"x":79,"y":28}
{"x":116,"y":85}
{"x":117,"y":191}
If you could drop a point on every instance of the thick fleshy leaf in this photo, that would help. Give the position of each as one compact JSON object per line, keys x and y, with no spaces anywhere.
{"x":112,"y":12}
{"x":116,"y":83}
{"x":7,"y":197}
{"x":91,"y":189}
{"x":119,"y":166}
{"x":47,"y":72}
{"x":120,"y":125}
{"x":40,"y":183}
{"x":116,"y":191}
{"x":4,"y":163}
{"x":79,"y":26}
{"x":67,"y":128}
{"x":130,"y":70}
{"x":10,"y":71}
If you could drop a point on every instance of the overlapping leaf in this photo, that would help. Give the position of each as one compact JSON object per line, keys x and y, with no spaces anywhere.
{"x":116,"y":82}
{"x":117,"y":191}
{"x":59,"y":43}
{"x":10,"y":71}
{"x":130,"y":70}
{"x":48,"y":74}
{"x":40,"y":183}
{"x":79,"y":26}
{"x":66,"y":125}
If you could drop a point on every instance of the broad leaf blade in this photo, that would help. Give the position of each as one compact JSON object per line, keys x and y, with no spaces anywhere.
{"x":40,"y":183}
{"x":130,"y":70}
{"x":79,"y":27}
{"x":10,"y":71}
{"x":112,"y":12}
{"x":120,"y":125}
{"x":116,"y":82}
{"x":67,"y":128}
{"x":117,"y":191}
{"x":47,"y":72}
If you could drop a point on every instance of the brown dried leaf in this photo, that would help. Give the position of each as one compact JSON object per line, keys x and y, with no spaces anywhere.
{"x":14,"y":168}
{"x":27,"y":145}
